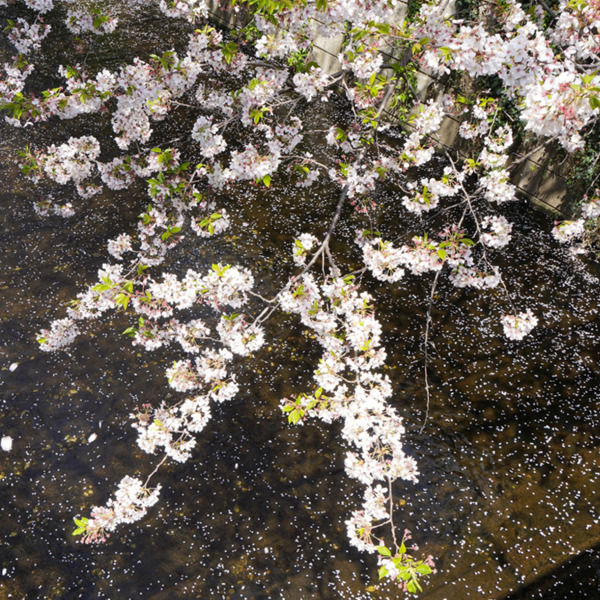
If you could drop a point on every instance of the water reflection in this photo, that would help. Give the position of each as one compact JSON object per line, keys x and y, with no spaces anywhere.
{"x":509,"y":456}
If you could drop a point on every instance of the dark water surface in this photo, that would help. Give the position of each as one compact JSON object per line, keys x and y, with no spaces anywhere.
{"x":508,"y":500}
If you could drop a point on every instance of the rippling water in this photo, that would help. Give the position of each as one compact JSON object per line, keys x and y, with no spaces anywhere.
{"x":508,"y":499}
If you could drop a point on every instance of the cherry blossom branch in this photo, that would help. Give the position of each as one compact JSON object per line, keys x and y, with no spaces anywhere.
{"x":467,"y":198}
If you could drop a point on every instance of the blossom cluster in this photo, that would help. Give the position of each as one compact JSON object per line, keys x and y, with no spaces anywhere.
{"x":302,"y":246}
{"x":27,"y":38}
{"x":13,"y":84}
{"x":79,"y":20}
{"x":40,"y":6}
{"x":553,"y":91}
{"x":168,"y":429}
{"x":61,"y":334}
{"x":311,"y":83}
{"x":516,"y":327}
{"x":351,"y":390}
{"x":191,"y":10}
{"x":566,"y":231}
{"x":499,"y":231}
{"x":46,"y":207}
{"x":131,"y":502}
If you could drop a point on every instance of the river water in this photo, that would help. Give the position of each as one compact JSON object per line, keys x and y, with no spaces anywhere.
{"x":508,"y":497}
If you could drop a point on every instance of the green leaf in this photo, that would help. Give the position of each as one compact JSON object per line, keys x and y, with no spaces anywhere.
{"x":424,"y":569}
{"x":382,"y":572}
{"x":123,"y":300}
{"x":167,"y":234}
{"x":384,"y":551}
{"x":256,"y":115}
{"x":99,"y":21}
{"x":81,"y":525}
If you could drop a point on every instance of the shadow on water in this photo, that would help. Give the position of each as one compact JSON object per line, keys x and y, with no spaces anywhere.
{"x":560,"y":583}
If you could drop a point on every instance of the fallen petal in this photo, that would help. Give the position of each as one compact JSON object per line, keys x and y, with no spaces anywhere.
{"x":6,"y":443}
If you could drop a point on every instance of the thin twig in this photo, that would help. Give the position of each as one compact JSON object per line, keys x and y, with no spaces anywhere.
{"x":426,"y":349}
{"x":396,"y":548}
{"x":427,"y":329}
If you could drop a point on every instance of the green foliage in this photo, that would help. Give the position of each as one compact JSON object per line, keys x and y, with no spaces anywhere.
{"x":249,"y":33}
{"x":165,"y":157}
{"x":100,"y":18}
{"x":299,"y":61}
{"x":413,"y":8}
{"x":269,"y":9}
{"x":208,"y":223}
{"x":584,"y":171}
{"x":166,"y":61}
{"x":408,"y":571}
{"x":404,"y":97}
{"x":375,"y":86}
{"x":297,"y":409}
{"x":220,"y":269}
{"x":82,"y":525}
{"x":121,"y":293}
{"x":131,"y":331}
{"x":29,"y":165}
{"x":467,"y":9}
{"x":229,"y":51}
{"x":169,"y":232}
{"x":266,"y":180}
{"x":257,"y":114}
{"x":20,"y":106}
